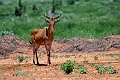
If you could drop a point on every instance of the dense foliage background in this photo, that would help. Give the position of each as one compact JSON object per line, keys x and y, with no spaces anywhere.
{"x":79,"y":18}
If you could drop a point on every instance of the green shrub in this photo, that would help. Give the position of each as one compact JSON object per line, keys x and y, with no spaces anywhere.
{"x":68,"y":66}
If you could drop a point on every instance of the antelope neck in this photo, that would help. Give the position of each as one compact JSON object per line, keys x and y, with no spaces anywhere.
{"x":49,"y":34}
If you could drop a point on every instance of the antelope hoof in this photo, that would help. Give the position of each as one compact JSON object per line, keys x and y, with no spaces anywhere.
{"x":33,"y":62}
{"x":37,"y":63}
{"x":49,"y":63}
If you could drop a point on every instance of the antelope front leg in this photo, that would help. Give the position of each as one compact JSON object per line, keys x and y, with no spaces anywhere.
{"x":48,"y":54}
{"x":48,"y":47}
{"x":34,"y":52}
{"x":36,"y":49}
{"x":34,"y":55}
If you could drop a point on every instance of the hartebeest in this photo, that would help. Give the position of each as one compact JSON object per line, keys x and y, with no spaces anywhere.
{"x":44,"y":36}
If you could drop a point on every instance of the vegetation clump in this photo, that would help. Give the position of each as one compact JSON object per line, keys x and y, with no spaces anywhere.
{"x":21,"y":58}
{"x":20,"y":74}
{"x":103,"y":69}
{"x":68,"y":66}
{"x":81,"y":69}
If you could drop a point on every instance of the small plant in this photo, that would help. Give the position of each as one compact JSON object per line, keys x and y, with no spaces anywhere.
{"x":68,"y":66}
{"x":109,"y":62}
{"x":2,"y":74}
{"x":112,"y":55}
{"x":79,"y":55}
{"x":110,"y":70}
{"x":0,"y":69}
{"x":6,"y":56}
{"x":91,"y":64}
{"x":55,"y":73}
{"x":4,"y":65}
{"x":95,"y":57}
{"x":81,"y":69}
{"x":85,"y":60}
{"x":102,"y":69}
{"x":54,"y":56}
{"x":20,"y":74}
{"x":118,"y":59}
{"x":61,"y":56}
{"x":75,"y":79}
{"x":56,"y":68}
{"x":19,"y":68}
{"x":67,"y":56}
{"x":21,"y":58}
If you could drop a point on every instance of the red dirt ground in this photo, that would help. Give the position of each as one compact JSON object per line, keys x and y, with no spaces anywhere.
{"x":9,"y":64}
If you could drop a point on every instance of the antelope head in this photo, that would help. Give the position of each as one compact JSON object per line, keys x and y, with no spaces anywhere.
{"x":52,"y":22}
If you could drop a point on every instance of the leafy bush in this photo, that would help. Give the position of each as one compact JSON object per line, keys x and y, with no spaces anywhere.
{"x":68,"y":66}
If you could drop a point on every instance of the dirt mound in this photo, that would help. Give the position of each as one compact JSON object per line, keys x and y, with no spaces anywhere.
{"x":12,"y":44}
{"x":9,"y":43}
{"x":90,"y":45}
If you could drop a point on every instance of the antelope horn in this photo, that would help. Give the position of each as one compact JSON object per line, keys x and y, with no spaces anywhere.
{"x":47,"y":16}
{"x":57,"y":16}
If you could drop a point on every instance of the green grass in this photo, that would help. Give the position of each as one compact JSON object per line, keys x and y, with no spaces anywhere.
{"x":86,"y":18}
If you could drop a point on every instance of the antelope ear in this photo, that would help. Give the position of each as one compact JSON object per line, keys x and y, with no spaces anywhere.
{"x":57,"y":21}
{"x":46,"y":20}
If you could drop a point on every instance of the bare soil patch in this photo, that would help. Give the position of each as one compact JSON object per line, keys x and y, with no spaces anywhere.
{"x":76,"y":49}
